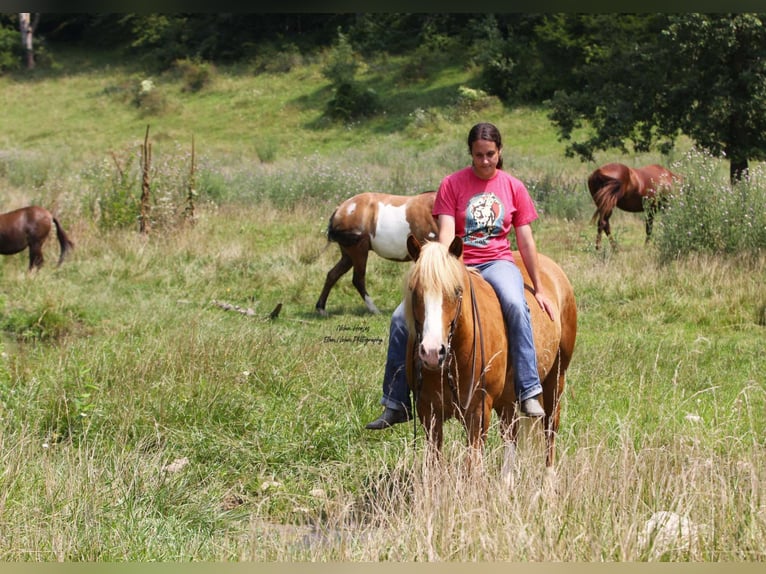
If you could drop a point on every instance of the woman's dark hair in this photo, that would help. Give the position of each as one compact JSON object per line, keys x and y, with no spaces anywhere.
{"x":488,"y":132}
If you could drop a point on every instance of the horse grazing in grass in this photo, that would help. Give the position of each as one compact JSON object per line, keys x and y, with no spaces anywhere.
{"x":617,"y":185}
{"x":376,"y":222}
{"x":452,"y":310}
{"x":29,"y":227}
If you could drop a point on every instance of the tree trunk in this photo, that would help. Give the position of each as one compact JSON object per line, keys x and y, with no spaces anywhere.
{"x":27,"y":28}
{"x":738,"y":170}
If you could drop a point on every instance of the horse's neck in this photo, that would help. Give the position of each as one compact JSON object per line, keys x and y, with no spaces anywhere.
{"x":466,"y":321}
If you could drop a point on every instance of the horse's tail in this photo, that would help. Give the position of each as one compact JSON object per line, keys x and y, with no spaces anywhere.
{"x":344,"y":237}
{"x":606,"y":192}
{"x":65,"y":243}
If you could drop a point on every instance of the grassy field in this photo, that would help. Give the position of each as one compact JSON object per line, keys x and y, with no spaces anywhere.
{"x":143,"y":421}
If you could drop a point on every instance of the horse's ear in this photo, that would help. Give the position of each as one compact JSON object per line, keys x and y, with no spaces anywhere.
{"x":456,"y":247}
{"x":413,"y":247}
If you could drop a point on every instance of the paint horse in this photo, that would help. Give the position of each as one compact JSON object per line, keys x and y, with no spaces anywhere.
{"x":375,"y":222}
{"x":457,"y":354}
{"x":30,"y":227}
{"x":617,"y":185}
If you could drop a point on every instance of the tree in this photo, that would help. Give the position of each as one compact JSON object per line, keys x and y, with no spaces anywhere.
{"x":703,"y":75}
{"x":27,"y":27}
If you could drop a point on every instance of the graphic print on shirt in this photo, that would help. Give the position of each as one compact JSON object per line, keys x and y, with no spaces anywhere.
{"x":483,"y":219}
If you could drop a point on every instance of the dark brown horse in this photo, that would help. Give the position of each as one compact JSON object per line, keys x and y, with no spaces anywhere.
{"x":29,"y":227}
{"x":457,"y":355}
{"x":376,"y":222}
{"x":617,"y":185}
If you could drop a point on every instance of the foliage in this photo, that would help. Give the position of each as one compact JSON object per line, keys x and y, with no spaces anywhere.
{"x":472,"y":100}
{"x":116,"y":187}
{"x":10,"y":51}
{"x":709,"y":215}
{"x":276,"y":58}
{"x":701,"y":75}
{"x":149,"y":99}
{"x":614,"y":57}
{"x":495,"y":49}
{"x":720,"y":98}
{"x":351,"y":100}
{"x":115,"y":205}
{"x":162,"y":39}
{"x":342,"y":62}
{"x":195,"y":73}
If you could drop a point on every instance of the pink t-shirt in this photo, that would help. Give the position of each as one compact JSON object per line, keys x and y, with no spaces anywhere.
{"x":485,"y":210}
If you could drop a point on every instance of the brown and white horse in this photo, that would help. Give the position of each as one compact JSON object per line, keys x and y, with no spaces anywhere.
{"x":617,"y":185}
{"x":376,"y":222}
{"x":29,"y":227}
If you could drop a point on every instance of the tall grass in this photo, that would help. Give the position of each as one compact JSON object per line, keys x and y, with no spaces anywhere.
{"x":664,"y":411}
{"x":141,"y":420}
{"x":709,"y":215}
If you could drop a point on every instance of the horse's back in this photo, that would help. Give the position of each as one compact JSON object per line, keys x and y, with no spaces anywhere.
{"x":656,"y":178}
{"x":386,"y":220}
{"x":24,"y":226}
{"x":550,"y":336}
{"x":605,"y":174}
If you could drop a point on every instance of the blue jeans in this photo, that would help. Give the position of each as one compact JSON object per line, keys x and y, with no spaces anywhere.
{"x":508,"y":284}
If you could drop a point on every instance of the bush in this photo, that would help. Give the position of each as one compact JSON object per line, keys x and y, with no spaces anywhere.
{"x":709,"y":215}
{"x":150,"y":100}
{"x":10,"y":50}
{"x":341,"y":63}
{"x":274,"y":59}
{"x":195,"y":74}
{"x":353,"y":101}
{"x":472,"y":100}
{"x":116,"y":204}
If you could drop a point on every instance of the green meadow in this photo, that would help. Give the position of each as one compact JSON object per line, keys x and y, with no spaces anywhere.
{"x":151,"y":410}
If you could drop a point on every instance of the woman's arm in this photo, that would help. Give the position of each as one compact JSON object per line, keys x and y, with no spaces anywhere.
{"x":528,"y":249}
{"x":446,"y":225}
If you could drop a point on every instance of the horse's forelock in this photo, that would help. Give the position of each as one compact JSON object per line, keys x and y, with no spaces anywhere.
{"x":436,"y":271}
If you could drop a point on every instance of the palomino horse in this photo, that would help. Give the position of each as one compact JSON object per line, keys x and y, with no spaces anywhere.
{"x":29,"y":227}
{"x":615,"y":184}
{"x":376,"y":222}
{"x":452,"y":313}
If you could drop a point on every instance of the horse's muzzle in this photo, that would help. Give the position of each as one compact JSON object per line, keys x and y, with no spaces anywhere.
{"x":432,"y":359}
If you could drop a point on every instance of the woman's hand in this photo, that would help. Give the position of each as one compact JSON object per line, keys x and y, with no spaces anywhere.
{"x":545,"y":303}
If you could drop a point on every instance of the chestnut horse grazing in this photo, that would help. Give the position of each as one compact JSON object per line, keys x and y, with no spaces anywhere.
{"x":29,"y":227}
{"x":376,"y":222}
{"x":615,"y":184}
{"x":454,"y":314}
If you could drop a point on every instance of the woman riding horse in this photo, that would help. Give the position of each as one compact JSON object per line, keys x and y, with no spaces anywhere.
{"x":481,"y":204}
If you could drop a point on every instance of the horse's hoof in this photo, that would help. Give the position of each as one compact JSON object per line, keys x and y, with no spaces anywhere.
{"x":321,"y":312}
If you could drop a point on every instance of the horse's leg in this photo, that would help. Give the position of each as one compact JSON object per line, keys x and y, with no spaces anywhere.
{"x":35,"y":256}
{"x":604,"y":227}
{"x":433,"y":425}
{"x":477,"y":425}
{"x":340,"y":268}
{"x":649,"y":222}
{"x":608,"y":230}
{"x":359,"y":254}
{"x":553,"y":386}
{"x":600,"y":229}
{"x":509,"y":430}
